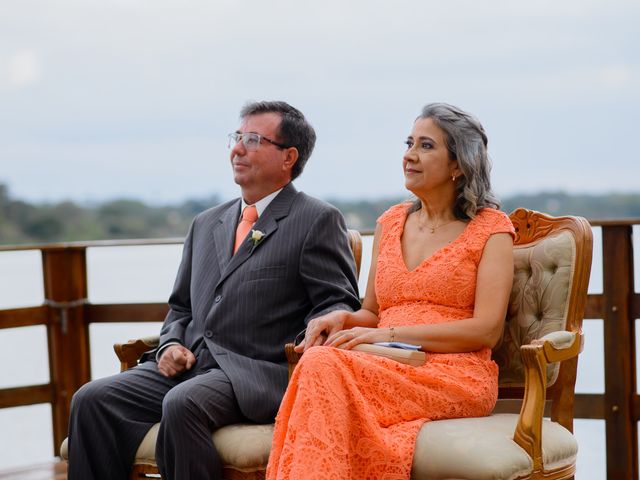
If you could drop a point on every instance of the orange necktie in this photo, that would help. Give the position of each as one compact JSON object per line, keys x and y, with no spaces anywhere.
{"x":249,"y":217}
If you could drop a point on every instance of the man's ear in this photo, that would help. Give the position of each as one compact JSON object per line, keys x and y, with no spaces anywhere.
{"x":291,"y":158}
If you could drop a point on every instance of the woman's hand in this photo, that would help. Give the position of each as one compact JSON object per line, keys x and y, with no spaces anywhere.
{"x":322,"y":327}
{"x":348,"y":339}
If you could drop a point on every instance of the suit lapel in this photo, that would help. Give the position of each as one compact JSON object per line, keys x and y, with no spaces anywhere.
{"x":224,"y":234}
{"x":267,"y":224}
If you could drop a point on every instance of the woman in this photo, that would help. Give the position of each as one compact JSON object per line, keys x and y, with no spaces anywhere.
{"x":440,"y":277}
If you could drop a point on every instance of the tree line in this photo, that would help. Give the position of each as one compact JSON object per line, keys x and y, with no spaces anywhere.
{"x":23,"y":222}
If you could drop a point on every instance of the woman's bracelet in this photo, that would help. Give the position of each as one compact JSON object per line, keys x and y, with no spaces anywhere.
{"x":392,"y":334}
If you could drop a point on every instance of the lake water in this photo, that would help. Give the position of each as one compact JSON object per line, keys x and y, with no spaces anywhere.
{"x":145,"y":274}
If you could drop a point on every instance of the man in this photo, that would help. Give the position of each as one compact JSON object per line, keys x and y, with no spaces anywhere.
{"x":221,"y":359}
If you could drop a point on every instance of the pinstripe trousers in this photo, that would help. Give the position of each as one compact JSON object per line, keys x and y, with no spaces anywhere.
{"x":111,"y":416}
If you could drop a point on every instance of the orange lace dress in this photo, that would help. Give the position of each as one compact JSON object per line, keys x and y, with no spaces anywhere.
{"x":351,"y":415}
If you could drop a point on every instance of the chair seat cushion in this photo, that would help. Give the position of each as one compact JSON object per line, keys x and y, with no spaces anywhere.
{"x":244,"y":447}
{"x":478,"y":448}
{"x":483,"y":448}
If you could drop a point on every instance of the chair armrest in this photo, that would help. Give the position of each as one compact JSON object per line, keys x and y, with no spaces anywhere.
{"x":129,"y":353}
{"x":293,"y":357}
{"x":561,"y":346}
{"x":554,"y":347}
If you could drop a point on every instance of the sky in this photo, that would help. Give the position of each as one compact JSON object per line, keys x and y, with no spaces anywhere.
{"x":135,"y":98}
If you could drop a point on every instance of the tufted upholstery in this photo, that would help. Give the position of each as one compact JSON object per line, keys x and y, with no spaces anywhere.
{"x":538,"y":305}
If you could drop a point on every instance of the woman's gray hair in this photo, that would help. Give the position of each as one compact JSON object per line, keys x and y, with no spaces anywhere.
{"x":467,"y":144}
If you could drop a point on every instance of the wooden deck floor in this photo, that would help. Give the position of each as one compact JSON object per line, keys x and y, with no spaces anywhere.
{"x":45,"y":471}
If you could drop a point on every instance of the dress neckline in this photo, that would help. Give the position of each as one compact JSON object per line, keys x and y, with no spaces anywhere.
{"x":437,"y":252}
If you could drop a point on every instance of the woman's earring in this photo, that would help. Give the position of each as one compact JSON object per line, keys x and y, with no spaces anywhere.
{"x":453,"y":178}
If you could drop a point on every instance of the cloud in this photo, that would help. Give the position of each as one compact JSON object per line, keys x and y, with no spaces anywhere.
{"x":615,"y":75}
{"x":23,"y":69}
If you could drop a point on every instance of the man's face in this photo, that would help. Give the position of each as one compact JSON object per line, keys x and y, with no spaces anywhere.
{"x":262,"y":170}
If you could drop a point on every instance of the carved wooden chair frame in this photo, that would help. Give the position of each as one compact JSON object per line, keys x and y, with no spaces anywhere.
{"x":531,"y":227}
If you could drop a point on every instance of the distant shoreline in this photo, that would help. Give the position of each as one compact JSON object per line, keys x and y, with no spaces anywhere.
{"x":22,"y":222}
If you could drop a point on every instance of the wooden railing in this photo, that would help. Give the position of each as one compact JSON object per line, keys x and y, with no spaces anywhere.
{"x":67,"y":314}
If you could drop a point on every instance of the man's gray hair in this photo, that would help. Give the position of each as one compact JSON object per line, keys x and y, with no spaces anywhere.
{"x":295,"y":130}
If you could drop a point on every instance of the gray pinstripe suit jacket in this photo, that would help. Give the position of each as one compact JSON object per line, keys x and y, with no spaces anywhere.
{"x":246,"y":306}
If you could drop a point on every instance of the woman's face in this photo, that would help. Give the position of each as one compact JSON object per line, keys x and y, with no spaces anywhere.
{"x":426,"y":162}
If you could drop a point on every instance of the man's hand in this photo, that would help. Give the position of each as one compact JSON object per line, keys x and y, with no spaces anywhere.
{"x":174,"y":360}
{"x":320,"y":328}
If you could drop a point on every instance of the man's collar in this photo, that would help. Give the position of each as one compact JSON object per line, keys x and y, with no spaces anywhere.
{"x":262,"y":204}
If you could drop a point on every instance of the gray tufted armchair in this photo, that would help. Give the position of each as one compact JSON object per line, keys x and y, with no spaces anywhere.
{"x":538,"y":358}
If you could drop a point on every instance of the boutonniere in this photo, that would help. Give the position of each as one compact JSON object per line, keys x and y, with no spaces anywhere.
{"x":256,"y":236}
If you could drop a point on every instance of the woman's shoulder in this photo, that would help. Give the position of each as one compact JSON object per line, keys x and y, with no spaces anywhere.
{"x":494,"y":221}
{"x":492,"y":214}
{"x":394,"y":213}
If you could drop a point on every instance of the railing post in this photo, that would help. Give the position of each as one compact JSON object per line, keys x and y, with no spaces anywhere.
{"x":65,"y":291}
{"x":619,"y":353}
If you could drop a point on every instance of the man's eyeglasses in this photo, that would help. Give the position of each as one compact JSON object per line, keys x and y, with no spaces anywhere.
{"x":251,"y":141}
